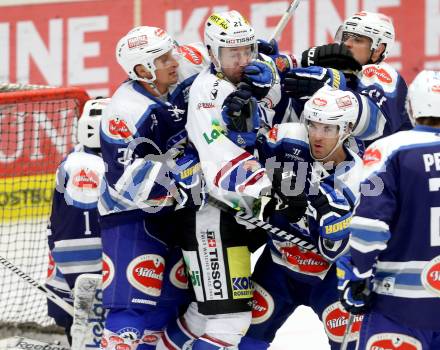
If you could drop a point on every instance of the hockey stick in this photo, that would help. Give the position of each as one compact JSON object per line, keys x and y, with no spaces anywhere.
{"x":283,"y":21}
{"x":347,"y":332}
{"x":269,"y":228}
{"x":49,"y":294}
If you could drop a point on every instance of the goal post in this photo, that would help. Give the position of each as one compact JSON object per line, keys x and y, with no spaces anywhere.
{"x":38,"y":129}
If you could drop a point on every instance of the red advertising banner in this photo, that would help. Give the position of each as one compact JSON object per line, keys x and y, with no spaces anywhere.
{"x":70,"y":42}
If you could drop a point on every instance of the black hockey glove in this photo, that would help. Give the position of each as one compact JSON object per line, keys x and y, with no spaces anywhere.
{"x":304,"y":82}
{"x":336,"y":56}
{"x":268,"y":48}
{"x":237,"y":107}
{"x":292,"y":206}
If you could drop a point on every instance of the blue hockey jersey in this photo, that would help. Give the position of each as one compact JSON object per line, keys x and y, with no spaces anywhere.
{"x":288,"y":144}
{"x":74,"y":232}
{"x":136,"y":125}
{"x":382,"y":93}
{"x":395,"y":230}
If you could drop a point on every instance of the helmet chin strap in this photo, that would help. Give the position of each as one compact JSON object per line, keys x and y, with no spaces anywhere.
{"x":340,"y":142}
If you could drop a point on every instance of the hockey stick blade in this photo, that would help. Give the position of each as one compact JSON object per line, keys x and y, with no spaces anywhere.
{"x":269,"y":228}
{"x":49,"y":294}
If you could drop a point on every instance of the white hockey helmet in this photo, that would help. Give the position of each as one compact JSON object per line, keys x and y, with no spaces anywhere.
{"x":89,"y":122}
{"x":376,"y":26}
{"x":333,"y":107}
{"x":228,"y":29}
{"x":424,"y":95}
{"x":142,"y":45}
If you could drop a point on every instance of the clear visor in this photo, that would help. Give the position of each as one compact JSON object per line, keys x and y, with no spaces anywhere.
{"x":322,"y":130}
{"x":168,"y":60}
{"x":241,"y":56}
{"x":344,"y":36}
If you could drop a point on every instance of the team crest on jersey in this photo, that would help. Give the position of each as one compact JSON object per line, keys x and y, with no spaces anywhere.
{"x":262,"y":305}
{"x":335,"y":320}
{"x":282,"y":63}
{"x":301,"y":260}
{"x":393,"y":341}
{"x":381,"y":74}
{"x":145,"y":273}
{"x":126,"y":338}
{"x":51,"y":268}
{"x":178,"y":275}
{"x":85,"y":178}
{"x":118,"y":127}
{"x":108,"y":271}
{"x":191,"y":54}
{"x":372,"y":156}
{"x":431,"y":276}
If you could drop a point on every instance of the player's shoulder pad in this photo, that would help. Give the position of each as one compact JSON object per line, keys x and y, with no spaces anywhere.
{"x":288,"y":131}
{"x":209,"y":90}
{"x":193,"y":59}
{"x":381,"y":74}
{"x":84,"y":173}
{"x":382,"y":151}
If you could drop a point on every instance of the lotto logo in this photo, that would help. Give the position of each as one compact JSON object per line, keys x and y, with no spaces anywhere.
{"x":145,"y":273}
{"x":85,"y":178}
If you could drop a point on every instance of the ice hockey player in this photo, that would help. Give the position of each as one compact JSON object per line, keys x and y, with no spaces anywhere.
{"x":393,"y":271}
{"x":315,"y":163}
{"x":74,"y":235}
{"x":144,"y":283}
{"x":362,"y":43}
{"x":228,"y":104}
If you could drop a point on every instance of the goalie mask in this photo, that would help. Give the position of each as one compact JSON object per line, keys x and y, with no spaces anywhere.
{"x":89,"y":122}
{"x":142,"y":45}
{"x":423,"y":98}
{"x":376,"y":26}
{"x":336,"y":111}
{"x":230,"y":30}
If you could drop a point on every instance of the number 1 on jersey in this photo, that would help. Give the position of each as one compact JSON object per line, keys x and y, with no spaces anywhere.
{"x":434,"y":185}
{"x":87,"y":223}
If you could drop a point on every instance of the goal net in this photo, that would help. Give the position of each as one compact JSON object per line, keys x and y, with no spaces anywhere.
{"x":38,"y":127}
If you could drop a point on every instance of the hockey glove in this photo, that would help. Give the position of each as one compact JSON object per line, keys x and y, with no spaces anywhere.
{"x":304,"y":82}
{"x":237,"y":108}
{"x":332,"y":212}
{"x":189,"y":180}
{"x":336,"y":56}
{"x":280,"y":201}
{"x":260,"y":77}
{"x":354,"y":292}
{"x":268,"y":48}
